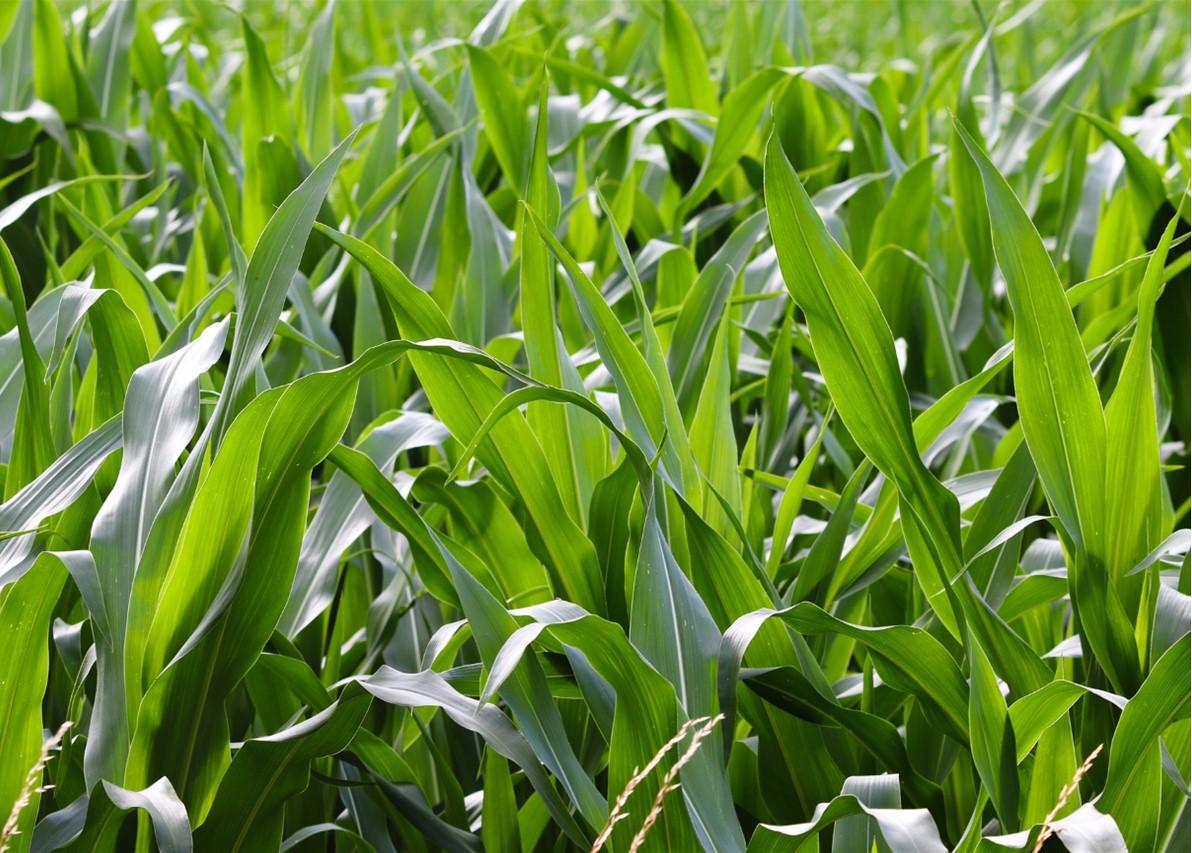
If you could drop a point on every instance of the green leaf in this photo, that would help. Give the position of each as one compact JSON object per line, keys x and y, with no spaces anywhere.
{"x":1134,"y":510}
{"x":645,"y":414}
{"x":315,"y":103}
{"x":52,"y":80}
{"x":264,"y":115}
{"x":1162,"y":700}
{"x":684,"y":63}
{"x":505,"y":122}
{"x":463,"y":396}
{"x":993,"y":746}
{"x":855,"y":351}
{"x":161,"y":414}
{"x":429,"y":689}
{"x":1062,"y":419}
{"x":249,"y":808}
{"x":908,"y":659}
{"x":54,"y":490}
{"x":106,"y":813}
{"x":108,"y":62}
{"x":267,"y":278}
{"x":740,"y":112}
{"x":903,"y":830}
{"x":26,"y":608}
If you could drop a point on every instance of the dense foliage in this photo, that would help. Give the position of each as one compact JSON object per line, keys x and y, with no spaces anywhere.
{"x":675,"y":426}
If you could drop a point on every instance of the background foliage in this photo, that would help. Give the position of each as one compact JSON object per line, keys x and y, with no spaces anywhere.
{"x":413,"y":415}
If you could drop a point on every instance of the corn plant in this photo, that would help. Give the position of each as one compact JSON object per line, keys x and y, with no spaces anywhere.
{"x":543,"y":426}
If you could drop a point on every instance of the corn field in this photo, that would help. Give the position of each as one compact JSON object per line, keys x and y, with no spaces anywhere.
{"x":749,"y":425}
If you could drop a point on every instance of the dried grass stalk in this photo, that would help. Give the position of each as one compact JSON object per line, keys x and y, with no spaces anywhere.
{"x":31,"y":786}
{"x":618,"y":812}
{"x":669,"y":784}
{"x":1065,"y":793}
